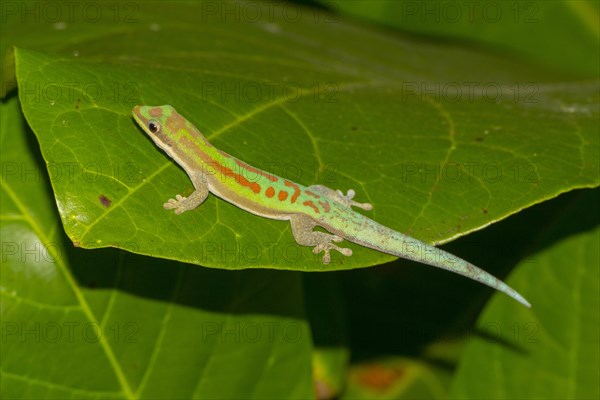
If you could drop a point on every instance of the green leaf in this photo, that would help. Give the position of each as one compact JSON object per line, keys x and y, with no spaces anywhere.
{"x":326,"y":312}
{"x":394,"y":313}
{"x":375,"y":114}
{"x":109,"y":324}
{"x":315,"y":99}
{"x":551,"y":350}
{"x":561,"y":34}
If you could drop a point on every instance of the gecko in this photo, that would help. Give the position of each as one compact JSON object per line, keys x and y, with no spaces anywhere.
{"x":270,"y":196}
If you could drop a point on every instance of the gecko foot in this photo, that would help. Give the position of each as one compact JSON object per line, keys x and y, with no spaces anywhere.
{"x":179,"y":204}
{"x":302,"y":228}
{"x":182,"y":204}
{"x":328,"y":246}
{"x":347,"y":199}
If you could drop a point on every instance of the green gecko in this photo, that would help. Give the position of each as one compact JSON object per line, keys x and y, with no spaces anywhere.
{"x":267,"y":195}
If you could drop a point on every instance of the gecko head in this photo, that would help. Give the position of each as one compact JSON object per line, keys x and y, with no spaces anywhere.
{"x":154,"y":121}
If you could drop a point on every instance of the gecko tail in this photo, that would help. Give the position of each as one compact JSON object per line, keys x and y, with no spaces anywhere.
{"x":489,"y":280}
{"x":416,"y":250}
{"x":395,"y":243}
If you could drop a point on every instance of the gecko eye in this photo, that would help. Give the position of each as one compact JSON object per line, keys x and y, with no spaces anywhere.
{"x":154,"y":126}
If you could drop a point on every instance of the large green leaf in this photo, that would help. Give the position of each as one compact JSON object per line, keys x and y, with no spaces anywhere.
{"x":552,"y":350}
{"x":440,"y":149}
{"x":109,"y":324}
{"x":394,"y":313}
{"x":563,"y":34}
{"x":377,"y":113}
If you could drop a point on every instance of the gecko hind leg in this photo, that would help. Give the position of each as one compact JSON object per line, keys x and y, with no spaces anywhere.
{"x":340,"y":197}
{"x":302,"y":229}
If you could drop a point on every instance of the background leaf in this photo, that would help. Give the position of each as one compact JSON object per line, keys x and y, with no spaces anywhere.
{"x":442,"y":137}
{"x":561,"y":34}
{"x":401,"y":329}
{"x":440,"y":150}
{"x":551,"y":350}
{"x":397,"y":378}
{"x":109,"y":324}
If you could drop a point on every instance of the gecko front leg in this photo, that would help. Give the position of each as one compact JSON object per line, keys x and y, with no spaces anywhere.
{"x":182,"y":204}
{"x":302,"y":229}
{"x":338,"y":196}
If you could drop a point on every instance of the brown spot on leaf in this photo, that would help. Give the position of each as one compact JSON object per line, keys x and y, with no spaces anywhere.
{"x":379,"y":377}
{"x":105,"y":201}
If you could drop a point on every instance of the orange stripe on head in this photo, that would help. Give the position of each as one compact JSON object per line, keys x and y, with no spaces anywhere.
{"x":256,"y":171}
{"x":270,"y":192}
{"x":156,"y":112}
{"x":282,"y":195}
{"x":296,"y":190}
{"x":310,"y":204}
{"x":176,"y":122}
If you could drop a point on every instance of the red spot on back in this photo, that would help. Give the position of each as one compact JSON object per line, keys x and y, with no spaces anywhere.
{"x":310,"y":204}
{"x":296,"y":190}
{"x":313,"y":194}
{"x":270,"y":192}
{"x":256,"y":171}
{"x":282,"y":195}
{"x":325,"y":205}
